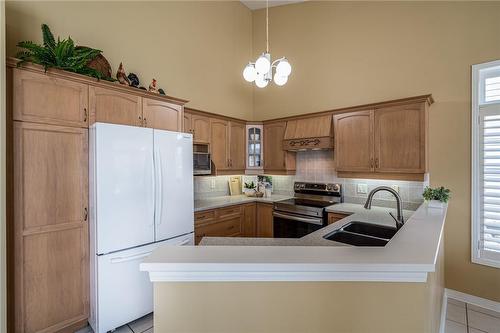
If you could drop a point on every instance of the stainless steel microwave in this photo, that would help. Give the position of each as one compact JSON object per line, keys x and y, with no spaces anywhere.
{"x":202,"y":164}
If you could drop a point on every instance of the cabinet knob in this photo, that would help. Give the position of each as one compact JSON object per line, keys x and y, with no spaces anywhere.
{"x":85,"y":115}
{"x":371,"y":163}
{"x":376,"y":163}
{"x":85,"y":214}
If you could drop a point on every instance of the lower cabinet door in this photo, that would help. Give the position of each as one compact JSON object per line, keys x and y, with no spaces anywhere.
{"x":249,"y":227}
{"x":230,"y":227}
{"x":51,"y":262}
{"x":264,"y":220}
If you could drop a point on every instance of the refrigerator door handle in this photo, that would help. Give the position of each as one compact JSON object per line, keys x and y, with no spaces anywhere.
{"x":154,"y":190}
{"x":184,"y":242}
{"x":160,"y":189}
{"x":130,"y":258}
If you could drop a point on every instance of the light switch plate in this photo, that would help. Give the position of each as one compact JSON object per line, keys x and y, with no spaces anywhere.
{"x":362,"y":189}
{"x":212,"y":183}
{"x":395,"y":188}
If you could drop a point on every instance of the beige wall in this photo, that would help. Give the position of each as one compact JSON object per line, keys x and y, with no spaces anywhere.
{"x":342,"y":54}
{"x":347,"y":54}
{"x":196,"y":50}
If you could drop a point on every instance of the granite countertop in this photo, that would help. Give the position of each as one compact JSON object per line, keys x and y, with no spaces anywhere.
{"x":228,"y":200}
{"x":379,"y":215}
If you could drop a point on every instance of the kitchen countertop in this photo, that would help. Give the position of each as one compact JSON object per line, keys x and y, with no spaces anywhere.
{"x":409,"y":256}
{"x":227,"y":200}
{"x":379,"y":215}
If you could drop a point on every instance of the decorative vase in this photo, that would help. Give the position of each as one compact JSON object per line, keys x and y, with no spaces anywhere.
{"x":435,"y":204}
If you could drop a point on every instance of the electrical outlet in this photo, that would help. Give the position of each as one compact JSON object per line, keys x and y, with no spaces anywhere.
{"x":362,"y":189}
{"x":395,"y":188}
{"x":212,"y":183}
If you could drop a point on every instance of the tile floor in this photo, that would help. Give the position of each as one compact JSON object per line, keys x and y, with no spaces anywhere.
{"x":141,"y":325}
{"x":467,"y":318}
{"x":460,"y":318}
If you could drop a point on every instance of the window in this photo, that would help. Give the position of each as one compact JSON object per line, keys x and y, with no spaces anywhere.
{"x":486,"y":163}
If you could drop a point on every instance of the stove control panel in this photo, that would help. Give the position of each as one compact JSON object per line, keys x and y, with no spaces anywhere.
{"x":319,"y":188}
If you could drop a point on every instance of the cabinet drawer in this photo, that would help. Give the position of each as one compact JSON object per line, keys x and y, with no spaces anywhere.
{"x":204,"y":216}
{"x":226,"y":228}
{"x":228,"y":212}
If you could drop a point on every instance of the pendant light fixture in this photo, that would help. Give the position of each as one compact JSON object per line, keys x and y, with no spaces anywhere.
{"x":261,"y":71}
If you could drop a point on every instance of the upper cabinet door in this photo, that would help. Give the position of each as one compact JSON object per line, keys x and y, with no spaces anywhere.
{"x":42,"y":98}
{"x":219,"y":143}
{"x":110,"y":106}
{"x":353,"y":147}
{"x":274,"y":155}
{"x":237,"y":146}
{"x":201,"y":128}
{"x":187,"y":123}
{"x":400,"y":139}
{"x":162,"y":115}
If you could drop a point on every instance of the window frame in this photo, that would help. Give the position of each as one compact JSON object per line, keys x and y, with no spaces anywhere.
{"x":478,"y":255}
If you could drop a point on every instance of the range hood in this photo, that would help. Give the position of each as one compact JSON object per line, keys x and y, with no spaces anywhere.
{"x":312,"y":133}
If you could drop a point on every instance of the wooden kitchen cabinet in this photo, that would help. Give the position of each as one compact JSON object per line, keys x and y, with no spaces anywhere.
{"x":335,"y":217}
{"x":249,"y":228}
{"x":198,"y":125}
{"x":400,"y":139}
{"x":201,"y":128}
{"x":237,"y":142}
{"x":354,"y":141}
{"x":51,"y":254}
{"x":40,"y":98}
{"x":264,"y":220}
{"x":111,"y":106}
{"x":388,"y":142}
{"x":162,"y":115}
{"x":277,"y":160}
{"x":221,"y":222}
{"x":219,"y":143}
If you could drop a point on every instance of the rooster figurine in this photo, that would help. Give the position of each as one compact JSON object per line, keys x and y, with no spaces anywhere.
{"x":122,"y":76}
{"x":152,"y":87}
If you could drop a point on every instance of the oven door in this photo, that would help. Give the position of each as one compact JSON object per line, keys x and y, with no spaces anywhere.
{"x":286,"y":225}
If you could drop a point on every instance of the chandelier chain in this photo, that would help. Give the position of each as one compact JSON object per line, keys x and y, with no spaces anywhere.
{"x":267,"y":26}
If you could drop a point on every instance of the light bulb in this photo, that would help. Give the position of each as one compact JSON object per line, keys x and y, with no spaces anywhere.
{"x":262,"y":65}
{"x":249,"y":73}
{"x":261,"y":82}
{"x":283,"y":68}
{"x":280,"y":80}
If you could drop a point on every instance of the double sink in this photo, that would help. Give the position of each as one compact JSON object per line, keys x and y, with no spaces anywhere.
{"x":362,"y":234}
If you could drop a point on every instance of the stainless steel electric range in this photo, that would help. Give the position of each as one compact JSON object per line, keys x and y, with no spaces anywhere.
{"x":305,"y":212}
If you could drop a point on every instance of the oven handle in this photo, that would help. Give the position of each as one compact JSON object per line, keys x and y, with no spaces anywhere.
{"x":300,"y":219}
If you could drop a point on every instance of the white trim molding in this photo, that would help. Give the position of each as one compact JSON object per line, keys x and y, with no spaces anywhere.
{"x":479,"y":108}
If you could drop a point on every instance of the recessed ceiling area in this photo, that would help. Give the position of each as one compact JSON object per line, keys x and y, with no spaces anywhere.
{"x":258,"y":4}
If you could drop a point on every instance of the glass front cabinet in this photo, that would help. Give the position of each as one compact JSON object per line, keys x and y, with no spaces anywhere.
{"x":255,"y":163}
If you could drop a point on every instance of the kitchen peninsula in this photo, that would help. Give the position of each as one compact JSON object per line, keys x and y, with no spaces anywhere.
{"x":326,"y":284}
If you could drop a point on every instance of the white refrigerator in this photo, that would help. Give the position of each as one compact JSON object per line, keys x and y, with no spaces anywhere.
{"x":141,"y":197}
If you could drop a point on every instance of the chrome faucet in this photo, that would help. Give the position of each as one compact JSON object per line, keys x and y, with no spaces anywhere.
{"x":399,"y":219}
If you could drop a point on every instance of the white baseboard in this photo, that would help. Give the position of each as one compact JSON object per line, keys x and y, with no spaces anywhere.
{"x":474,"y":300}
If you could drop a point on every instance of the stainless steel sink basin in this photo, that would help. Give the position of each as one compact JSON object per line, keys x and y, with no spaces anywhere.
{"x":370,"y":229}
{"x":355,"y":239}
{"x":362,"y":234}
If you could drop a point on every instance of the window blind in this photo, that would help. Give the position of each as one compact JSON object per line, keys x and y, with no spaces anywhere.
{"x":490,"y":177}
{"x":486,"y":163}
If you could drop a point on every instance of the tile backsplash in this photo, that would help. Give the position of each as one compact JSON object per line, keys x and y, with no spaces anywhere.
{"x":318,"y":166}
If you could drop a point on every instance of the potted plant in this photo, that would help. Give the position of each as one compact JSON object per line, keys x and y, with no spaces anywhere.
{"x":249,"y":189}
{"x":436,"y":197}
{"x":61,"y":53}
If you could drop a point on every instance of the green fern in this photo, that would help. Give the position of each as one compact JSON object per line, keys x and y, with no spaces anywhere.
{"x":62,"y":54}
